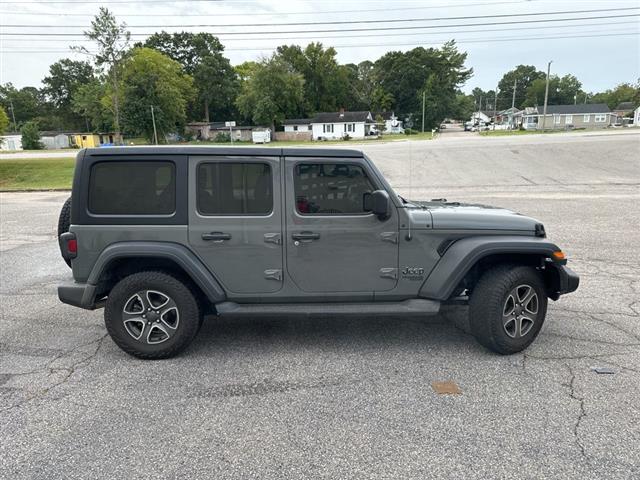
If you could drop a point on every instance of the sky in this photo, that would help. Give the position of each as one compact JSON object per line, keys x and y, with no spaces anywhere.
{"x":601,"y":48}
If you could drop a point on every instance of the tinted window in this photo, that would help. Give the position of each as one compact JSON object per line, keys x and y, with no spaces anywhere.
{"x":132,"y":188}
{"x":330,"y":188}
{"x":235,"y":189}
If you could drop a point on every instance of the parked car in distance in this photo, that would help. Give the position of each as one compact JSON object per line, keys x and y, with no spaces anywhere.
{"x":161,"y":237}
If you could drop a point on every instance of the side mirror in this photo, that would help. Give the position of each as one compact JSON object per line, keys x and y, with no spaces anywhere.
{"x":378,"y":203}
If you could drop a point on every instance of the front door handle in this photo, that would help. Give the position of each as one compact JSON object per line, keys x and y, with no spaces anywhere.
{"x":305,"y":236}
{"x":216,"y":236}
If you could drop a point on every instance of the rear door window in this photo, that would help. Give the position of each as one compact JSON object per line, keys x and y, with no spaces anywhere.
{"x":132,"y":188}
{"x":234,"y":188}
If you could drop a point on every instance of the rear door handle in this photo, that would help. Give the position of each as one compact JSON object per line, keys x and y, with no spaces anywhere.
{"x":305,"y":236}
{"x":216,"y":236}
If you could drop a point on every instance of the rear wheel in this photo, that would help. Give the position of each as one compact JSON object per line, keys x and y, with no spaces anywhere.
{"x":507,"y":308}
{"x":64,"y":222}
{"x":152,"y":315}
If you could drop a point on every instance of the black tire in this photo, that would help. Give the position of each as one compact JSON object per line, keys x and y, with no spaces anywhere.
{"x":494,"y":294}
{"x":64,"y":222}
{"x":123,"y":326}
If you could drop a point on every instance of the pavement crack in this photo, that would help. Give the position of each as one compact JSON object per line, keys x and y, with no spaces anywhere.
{"x":581,"y":415}
{"x":53,"y":370}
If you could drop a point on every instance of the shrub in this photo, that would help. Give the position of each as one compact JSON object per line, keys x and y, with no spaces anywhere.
{"x":31,"y":136}
{"x":223,"y":137}
{"x":346,"y":136}
{"x":410,"y":131}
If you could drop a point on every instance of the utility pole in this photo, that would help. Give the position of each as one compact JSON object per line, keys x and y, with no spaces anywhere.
{"x":155,"y":132}
{"x":424,"y":96}
{"x":13,"y":115}
{"x":546,"y":96}
{"x":585,"y":97}
{"x":513,"y":98}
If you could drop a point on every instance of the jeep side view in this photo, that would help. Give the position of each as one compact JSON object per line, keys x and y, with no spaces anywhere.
{"x":163,"y":236}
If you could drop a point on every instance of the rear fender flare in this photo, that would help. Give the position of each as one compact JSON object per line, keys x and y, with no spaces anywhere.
{"x":175,"y":252}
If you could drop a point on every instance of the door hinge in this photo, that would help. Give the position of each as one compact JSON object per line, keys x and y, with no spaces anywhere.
{"x":389,"y":273}
{"x":273,"y":274}
{"x":273,"y":238}
{"x":389,"y":237}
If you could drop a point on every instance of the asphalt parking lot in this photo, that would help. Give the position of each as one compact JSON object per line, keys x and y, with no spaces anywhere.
{"x":348,"y":398}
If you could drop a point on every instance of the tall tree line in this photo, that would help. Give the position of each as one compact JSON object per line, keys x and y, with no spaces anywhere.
{"x":186,"y":77}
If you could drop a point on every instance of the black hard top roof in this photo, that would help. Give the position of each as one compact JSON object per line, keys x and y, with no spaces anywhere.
{"x":227,"y":151}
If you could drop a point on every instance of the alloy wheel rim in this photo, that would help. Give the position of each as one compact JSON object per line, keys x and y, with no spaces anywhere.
{"x":150,"y":316}
{"x":520,"y":311}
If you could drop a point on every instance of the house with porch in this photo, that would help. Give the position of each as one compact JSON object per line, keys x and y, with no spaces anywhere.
{"x":563,"y":117}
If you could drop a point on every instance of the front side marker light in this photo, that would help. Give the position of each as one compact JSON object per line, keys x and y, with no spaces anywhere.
{"x":559,"y":256}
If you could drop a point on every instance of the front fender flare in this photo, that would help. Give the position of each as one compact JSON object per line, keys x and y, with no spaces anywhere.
{"x":175,"y":252}
{"x":464,"y":253}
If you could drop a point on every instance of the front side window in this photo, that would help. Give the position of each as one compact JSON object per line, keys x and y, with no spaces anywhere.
{"x":586,"y":118}
{"x":234,"y":188}
{"x":331,"y":188}
{"x":556,"y":119}
{"x":601,"y":118}
{"x":327,"y":128}
{"x":132,"y":188}
{"x":568,"y":119}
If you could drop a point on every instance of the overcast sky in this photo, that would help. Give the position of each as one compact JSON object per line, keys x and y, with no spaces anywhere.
{"x":600,"y":62}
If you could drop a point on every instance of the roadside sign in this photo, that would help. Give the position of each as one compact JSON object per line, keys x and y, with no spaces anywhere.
{"x":229,"y":124}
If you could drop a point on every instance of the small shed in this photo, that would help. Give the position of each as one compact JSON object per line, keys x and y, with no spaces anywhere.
{"x":11,"y":141}
{"x":55,"y":140}
{"x":89,"y":140}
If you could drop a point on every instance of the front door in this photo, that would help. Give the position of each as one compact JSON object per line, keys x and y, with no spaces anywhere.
{"x":235,"y":221}
{"x":332,"y":243}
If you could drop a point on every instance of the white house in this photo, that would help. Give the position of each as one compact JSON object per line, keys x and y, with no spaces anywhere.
{"x":12,"y":141}
{"x":297,"y":125}
{"x":480,"y":116}
{"x":391,"y":122}
{"x":336,"y":125}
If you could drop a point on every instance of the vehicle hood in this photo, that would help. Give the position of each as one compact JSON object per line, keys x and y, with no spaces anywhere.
{"x":466,"y":216}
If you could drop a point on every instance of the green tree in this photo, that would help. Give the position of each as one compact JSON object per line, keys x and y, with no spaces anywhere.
{"x":4,"y":121}
{"x":150,"y":78}
{"x":65,"y":78}
{"x":381,"y":125}
{"x":463,"y":107}
{"x":112,"y":41}
{"x":23,"y":105}
{"x":94,"y":105}
{"x":380,"y":101}
{"x":406,"y":75}
{"x":523,"y":75}
{"x":625,"y":92}
{"x":326,"y":83}
{"x":562,"y":91}
{"x":272,"y":93}
{"x":200,"y":55}
{"x":31,"y":136}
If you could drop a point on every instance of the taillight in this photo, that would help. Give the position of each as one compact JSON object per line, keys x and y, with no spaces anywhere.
{"x":68,"y":245}
{"x":72,"y":246}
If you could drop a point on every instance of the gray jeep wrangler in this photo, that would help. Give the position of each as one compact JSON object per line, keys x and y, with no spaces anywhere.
{"x":163,"y":236}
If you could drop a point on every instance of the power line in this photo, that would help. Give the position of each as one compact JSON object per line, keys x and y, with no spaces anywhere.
{"x":416,"y":44}
{"x":517,"y":29}
{"x":270,"y":14}
{"x":368,"y":29}
{"x":344,"y":22}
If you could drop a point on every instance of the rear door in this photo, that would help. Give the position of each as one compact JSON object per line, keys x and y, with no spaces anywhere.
{"x":235,"y":220}
{"x":332,"y":243}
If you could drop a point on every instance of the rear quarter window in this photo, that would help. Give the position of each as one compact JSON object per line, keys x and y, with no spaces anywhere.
{"x":132,"y":188}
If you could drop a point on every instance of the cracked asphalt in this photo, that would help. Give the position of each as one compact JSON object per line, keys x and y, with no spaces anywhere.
{"x":348,"y":398}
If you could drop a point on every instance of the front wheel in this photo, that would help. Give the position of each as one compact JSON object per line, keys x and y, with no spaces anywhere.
{"x":507,"y":308}
{"x":152,"y":315}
